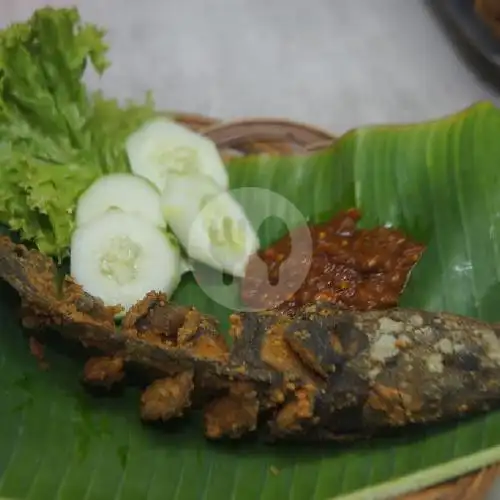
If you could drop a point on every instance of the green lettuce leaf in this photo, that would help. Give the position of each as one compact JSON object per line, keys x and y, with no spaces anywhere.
{"x":55,"y":138}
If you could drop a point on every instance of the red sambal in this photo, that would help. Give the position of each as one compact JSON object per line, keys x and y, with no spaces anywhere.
{"x":354,"y":268}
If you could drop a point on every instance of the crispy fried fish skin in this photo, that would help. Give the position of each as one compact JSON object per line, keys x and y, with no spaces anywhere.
{"x":104,"y":371}
{"x":320,"y":374}
{"x":347,"y":373}
{"x":234,"y":414}
{"x":167,"y":398}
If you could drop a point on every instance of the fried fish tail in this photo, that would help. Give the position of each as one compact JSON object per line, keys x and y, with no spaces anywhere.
{"x":161,"y":338}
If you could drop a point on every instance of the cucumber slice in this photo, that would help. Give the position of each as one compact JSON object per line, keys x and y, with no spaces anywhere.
{"x":120,"y":258}
{"x":125,"y":192}
{"x":185,"y":266}
{"x":209,"y":223}
{"x":161,"y":147}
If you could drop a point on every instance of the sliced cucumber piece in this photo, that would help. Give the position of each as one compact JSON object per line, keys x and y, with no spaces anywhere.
{"x":161,"y":147}
{"x":120,"y":258}
{"x":209,"y":223}
{"x":126,"y":192}
{"x":185,"y":266}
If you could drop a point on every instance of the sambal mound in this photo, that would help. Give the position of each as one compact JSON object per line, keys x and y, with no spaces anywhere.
{"x":354,"y":268}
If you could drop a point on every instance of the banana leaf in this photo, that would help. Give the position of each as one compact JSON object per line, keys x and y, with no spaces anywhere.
{"x":438,"y":181}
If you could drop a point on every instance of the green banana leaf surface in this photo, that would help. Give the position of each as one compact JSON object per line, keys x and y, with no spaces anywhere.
{"x":439,"y":182}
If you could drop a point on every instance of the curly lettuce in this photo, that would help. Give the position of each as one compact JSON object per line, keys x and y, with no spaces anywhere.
{"x":55,"y":137}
